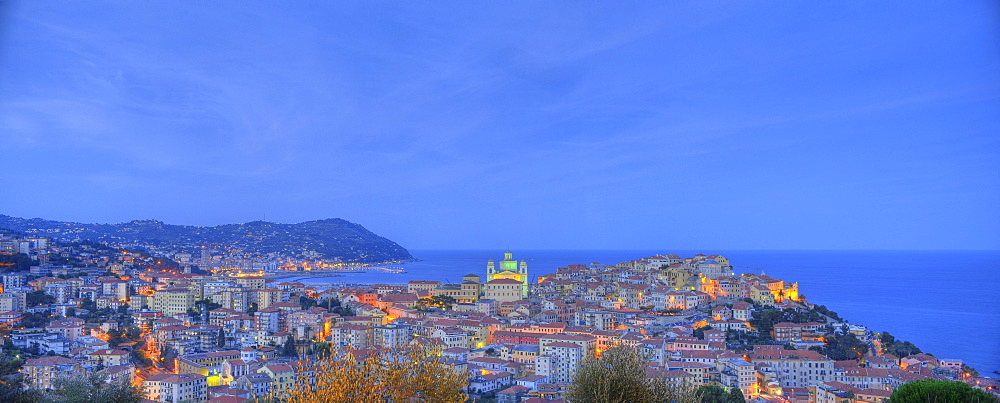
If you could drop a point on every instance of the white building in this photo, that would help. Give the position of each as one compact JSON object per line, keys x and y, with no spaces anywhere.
{"x":175,"y":388}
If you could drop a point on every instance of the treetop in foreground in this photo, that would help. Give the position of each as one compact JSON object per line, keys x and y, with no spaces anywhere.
{"x":932,"y":390}
{"x":619,"y":375}
{"x":374,"y":376}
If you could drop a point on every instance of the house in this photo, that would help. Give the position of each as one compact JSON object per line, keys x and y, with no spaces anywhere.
{"x":282,"y":376}
{"x":259,"y":384}
{"x":41,"y":372}
{"x":108,"y":358}
{"x":489,"y":382}
{"x":175,"y":388}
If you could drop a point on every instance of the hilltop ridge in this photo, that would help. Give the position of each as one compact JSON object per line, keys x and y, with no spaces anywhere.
{"x":331,"y":238}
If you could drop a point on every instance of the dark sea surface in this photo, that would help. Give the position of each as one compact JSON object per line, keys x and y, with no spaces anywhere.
{"x":945,"y":302}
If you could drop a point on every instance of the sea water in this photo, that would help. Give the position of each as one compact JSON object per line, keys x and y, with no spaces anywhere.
{"x":945,"y":302}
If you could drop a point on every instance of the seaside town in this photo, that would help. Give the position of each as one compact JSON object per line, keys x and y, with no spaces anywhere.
{"x":207,"y":326}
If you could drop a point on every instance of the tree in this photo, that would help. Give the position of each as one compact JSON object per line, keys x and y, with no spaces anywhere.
{"x":437,"y":301}
{"x":288,"y":350}
{"x":715,"y":394}
{"x":12,"y":382}
{"x":343,"y":311}
{"x":764,"y":320}
{"x":208,"y":304}
{"x":88,"y":304}
{"x":700,"y":332}
{"x":221,"y":339}
{"x":402,"y":376}
{"x":736,"y":396}
{"x":93,"y":388}
{"x":969,"y":370}
{"x":712,"y":394}
{"x":620,"y":376}
{"x":16,"y":262}
{"x":139,"y":357}
{"x":932,"y":390}
{"x":897,"y":347}
{"x":322,"y":349}
{"x":842,"y":347}
{"x":306,"y":302}
{"x":36,"y":298}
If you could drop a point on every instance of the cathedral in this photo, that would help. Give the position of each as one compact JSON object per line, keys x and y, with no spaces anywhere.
{"x":509,"y":269}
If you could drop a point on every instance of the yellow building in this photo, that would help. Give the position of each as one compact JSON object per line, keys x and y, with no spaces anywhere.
{"x":176,"y":388}
{"x":41,"y":372}
{"x":173,"y":301}
{"x":282,"y":374}
{"x":253,"y":283}
{"x":509,"y":269}
{"x":503,"y":290}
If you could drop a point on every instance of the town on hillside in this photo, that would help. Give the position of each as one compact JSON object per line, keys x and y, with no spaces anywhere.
{"x":181,"y":333}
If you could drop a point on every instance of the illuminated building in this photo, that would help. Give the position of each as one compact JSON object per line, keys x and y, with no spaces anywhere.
{"x":176,"y":387}
{"x":509,"y":269}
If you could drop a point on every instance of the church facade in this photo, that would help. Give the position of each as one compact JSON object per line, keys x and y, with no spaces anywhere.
{"x":509,"y":269}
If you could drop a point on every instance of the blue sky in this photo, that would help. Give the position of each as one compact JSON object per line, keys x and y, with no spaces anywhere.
{"x":530,"y":125}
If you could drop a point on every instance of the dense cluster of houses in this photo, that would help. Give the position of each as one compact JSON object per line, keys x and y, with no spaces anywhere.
{"x":515,"y":343}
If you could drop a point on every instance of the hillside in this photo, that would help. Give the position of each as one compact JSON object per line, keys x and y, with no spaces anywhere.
{"x":328,"y":239}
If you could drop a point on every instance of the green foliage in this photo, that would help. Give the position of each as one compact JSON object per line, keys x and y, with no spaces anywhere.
{"x":715,"y":394}
{"x":711,"y":394}
{"x":93,"y":388}
{"x":744,"y":341}
{"x":16,"y":262}
{"x":208,"y":304}
{"x":220,"y":339}
{"x":124,"y":335}
{"x":139,"y":357}
{"x":288,"y":349}
{"x":36,"y":298}
{"x":89,"y":305}
{"x":764,"y":320}
{"x":322,"y":349}
{"x":12,"y":384}
{"x":898,"y":348}
{"x":797,"y":316}
{"x":437,"y":301}
{"x":328,"y":303}
{"x":33,"y":320}
{"x":931,"y":390}
{"x":343,"y":311}
{"x":824,"y":310}
{"x":306,"y":302}
{"x":969,"y":370}
{"x":620,"y":376}
{"x":736,"y":396}
{"x":700,"y":332}
{"x":8,"y":365}
{"x":842,"y":347}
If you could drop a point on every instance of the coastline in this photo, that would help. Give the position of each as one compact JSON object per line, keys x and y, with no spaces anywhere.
{"x":879,"y":289}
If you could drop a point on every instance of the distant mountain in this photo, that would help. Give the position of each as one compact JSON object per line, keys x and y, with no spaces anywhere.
{"x":327,"y":239}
